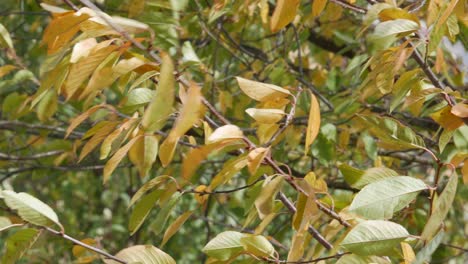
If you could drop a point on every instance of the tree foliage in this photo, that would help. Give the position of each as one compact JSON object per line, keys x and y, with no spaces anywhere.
{"x":155,"y":131}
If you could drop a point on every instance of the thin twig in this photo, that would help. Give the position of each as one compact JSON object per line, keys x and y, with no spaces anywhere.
{"x":79,"y":243}
{"x":349,"y":6}
{"x":4,"y":156}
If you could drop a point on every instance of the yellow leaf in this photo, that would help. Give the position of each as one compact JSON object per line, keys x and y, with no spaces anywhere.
{"x":47,"y":106}
{"x":317,"y":7}
{"x":396,"y":13}
{"x":313,"y":124}
{"x":190,"y":111}
{"x":255,"y":158}
{"x":79,"y":119}
{"x":167,"y":149}
{"x":225,"y":132}
{"x":97,"y":138}
{"x":284,"y":13}
{"x":200,"y":197}
{"x":266,"y":116}
{"x":105,"y":76}
{"x":207,"y":131}
{"x":82,"y":49}
{"x":447,"y":12}
{"x":261,"y":91}
{"x":264,"y":10}
{"x":318,"y":185}
{"x":464,"y":171}
{"x":4,"y":70}
{"x":447,"y":119}
{"x":119,"y":135}
{"x":264,"y":202}
{"x":230,"y":168}
{"x":115,"y":160}
{"x":297,"y":247}
{"x":266,"y":131}
{"x":189,"y":114}
{"x":160,"y":107}
{"x":175,"y":226}
{"x":79,"y":251}
{"x":460,"y":110}
{"x":144,"y":153}
{"x":408,"y":253}
{"x":80,"y":71}
{"x":136,"y":8}
{"x":149,"y":185}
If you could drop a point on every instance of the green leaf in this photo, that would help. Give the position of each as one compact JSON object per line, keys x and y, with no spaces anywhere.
{"x":374,"y":237}
{"x":381,"y":199}
{"x":139,"y":97}
{"x":142,"y":209}
{"x":158,"y":225}
{"x":225,"y":245}
{"x":405,"y":83}
{"x":143,"y":254}
{"x":350,"y":174}
{"x":441,"y":208}
{"x":257,"y":245}
{"x":148,"y":186}
{"x":161,"y":106}
{"x":18,"y":243}
{"x":47,"y":106}
{"x":5,"y":39}
{"x":394,"y":27}
{"x":392,"y":133}
{"x":426,"y":252}
{"x":30,"y":209}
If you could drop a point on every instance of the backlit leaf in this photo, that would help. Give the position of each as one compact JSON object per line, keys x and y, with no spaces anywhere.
{"x":225,"y":132}
{"x":31,"y":209}
{"x":394,"y":27}
{"x":224,"y":245}
{"x":266,"y":116}
{"x":5,"y":39}
{"x":257,"y":245}
{"x":261,"y":91}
